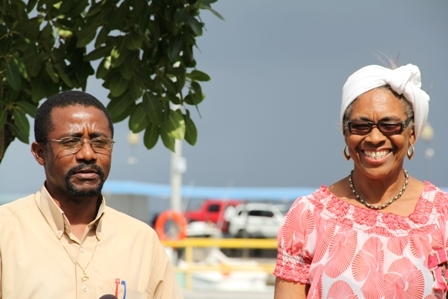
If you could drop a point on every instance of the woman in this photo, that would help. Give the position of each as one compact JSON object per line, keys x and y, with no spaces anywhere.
{"x":378,"y":232}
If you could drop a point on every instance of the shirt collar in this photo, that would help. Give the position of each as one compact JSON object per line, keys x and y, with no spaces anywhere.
{"x":57,"y":219}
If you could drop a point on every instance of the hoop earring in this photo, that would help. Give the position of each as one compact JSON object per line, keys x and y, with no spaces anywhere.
{"x":411,"y":154}
{"x":344,"y":152}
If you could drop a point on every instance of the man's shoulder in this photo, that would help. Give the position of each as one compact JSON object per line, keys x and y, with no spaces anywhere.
{"x":123,"y":220}
{"x":17,"y":205}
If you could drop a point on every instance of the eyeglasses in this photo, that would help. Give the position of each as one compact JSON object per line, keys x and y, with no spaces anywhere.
{"x":74,"y":144}
{"x":359,"y":127}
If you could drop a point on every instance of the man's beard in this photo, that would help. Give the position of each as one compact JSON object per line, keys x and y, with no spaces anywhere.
{"x":94,"y":191}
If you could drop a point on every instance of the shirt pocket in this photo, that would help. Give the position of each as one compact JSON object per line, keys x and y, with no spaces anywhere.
{"x":121,"y":290}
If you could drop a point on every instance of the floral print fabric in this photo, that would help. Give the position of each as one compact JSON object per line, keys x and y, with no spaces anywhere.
{"x":346,"y":251}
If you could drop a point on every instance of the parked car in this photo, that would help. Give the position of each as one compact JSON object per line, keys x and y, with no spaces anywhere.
{"x":213,"y":211}
{"x":257,"y":220}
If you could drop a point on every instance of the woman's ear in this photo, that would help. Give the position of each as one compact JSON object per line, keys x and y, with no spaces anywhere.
{"x":38,"y":152}
{"x":411,"y":136}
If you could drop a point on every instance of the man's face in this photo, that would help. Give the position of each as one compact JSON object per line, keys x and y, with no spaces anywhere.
{"x":75,"y":174}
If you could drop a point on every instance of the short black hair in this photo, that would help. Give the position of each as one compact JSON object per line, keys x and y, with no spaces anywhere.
{"x":42,"y":121}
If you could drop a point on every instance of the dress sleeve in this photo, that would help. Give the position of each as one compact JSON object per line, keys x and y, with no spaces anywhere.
{"x":295,"y":243}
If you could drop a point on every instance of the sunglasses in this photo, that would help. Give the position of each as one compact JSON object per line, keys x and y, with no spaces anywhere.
{"x":359,"y":127}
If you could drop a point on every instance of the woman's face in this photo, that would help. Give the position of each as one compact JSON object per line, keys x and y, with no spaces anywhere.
{"x":375,"y":154}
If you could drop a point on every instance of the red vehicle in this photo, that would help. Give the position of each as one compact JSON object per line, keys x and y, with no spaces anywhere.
{"x":213,"y":210}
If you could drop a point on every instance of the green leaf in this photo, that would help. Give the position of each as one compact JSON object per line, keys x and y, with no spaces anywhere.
{"x":27,"y":108}
{"x":98,"y":53}
{"x":119,"y":54}
{"x":169,"y":85}
{"x":47,"y":32}
{"x":153,"y":108}
{"x":191,"y":134}
{"x":22,"y":68}
{"x":180,"y":16}
{"x":75,"y":8}
{"x":174,"y":47}
{"x":197,"y":90}
{"x":102,"y":37}
{"x":21,"y":121}
{"x":134,"y":40}
{"x":11,"y":96}
{"x":195,"y":26}
{"x":51,"y":72}
{"x":135,"y":87}
{"x":175,"y":125}
{"x":144,"y":18}
{"x":197,"y":75}
{"x":85,"y":36}
{"x":167,"y":140}
{"x":116,"y":19}
{"x":94,"y":9}
{"x":30,"y":5}
{"x":63,"y":75}
{"x":138,"y":120}
{"x":22,"y":136}
{"x":118,"y":106}
{"x":217,"y":14}
{"x":187,"y":56}
{"x":32,"y":63}
{"x":38,"y":85}
{"x":3,"y":115}
{"x":12,"y":73}
{"x":126,"y":70}
{"x":173,"y":98}
{"x":118,"y":85}
{"x":5,"y":44}
{"x":103,"y":68}
{"x":207,"y":2}
{"x":195,"y":95}
{"x":151,"y":135}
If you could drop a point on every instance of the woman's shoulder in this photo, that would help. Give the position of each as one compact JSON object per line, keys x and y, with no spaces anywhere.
{"x":432,"y":192}
{"x":321,"y":197}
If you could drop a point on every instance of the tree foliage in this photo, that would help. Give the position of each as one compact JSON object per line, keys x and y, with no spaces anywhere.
{"x":143,"y":51}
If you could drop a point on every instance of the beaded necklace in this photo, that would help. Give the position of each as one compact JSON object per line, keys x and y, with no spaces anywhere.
{"x":385,"y":205}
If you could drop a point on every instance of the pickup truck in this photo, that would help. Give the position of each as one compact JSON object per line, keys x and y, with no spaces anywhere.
{"x":213,"y":210}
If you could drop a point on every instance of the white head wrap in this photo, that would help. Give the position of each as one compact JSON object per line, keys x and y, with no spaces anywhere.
{"x":404,"y":80}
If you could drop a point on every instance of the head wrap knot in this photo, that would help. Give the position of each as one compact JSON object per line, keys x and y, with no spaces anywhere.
{"x":404,"y":80}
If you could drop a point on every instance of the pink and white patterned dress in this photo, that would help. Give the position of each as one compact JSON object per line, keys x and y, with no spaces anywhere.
{"x":346,"y":251}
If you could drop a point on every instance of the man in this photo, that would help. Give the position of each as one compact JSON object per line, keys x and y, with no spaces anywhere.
{"x":63,"y":241}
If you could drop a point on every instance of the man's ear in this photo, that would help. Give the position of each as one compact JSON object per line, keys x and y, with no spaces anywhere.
{"x":38,"y":152}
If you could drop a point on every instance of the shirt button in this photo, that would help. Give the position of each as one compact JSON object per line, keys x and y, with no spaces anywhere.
{"x":85,"y":288}
{"x":81,"y":249}
{"x":59,"y":232}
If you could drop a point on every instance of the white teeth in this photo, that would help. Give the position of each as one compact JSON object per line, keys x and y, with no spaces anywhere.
{"x":376,"y":155}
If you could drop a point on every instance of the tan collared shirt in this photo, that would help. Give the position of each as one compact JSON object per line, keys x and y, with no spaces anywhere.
{"x":41,"y":258}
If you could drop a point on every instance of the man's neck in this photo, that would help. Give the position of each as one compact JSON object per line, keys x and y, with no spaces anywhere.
{"x":79,"y":212}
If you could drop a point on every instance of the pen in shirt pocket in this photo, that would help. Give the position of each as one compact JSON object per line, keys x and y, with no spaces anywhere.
{"x":117,"y":284}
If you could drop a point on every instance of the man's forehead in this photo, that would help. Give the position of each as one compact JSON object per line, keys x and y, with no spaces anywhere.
{"x":78,"y":115}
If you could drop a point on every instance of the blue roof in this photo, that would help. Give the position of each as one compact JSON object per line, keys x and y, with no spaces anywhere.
{"x":247,"y":193}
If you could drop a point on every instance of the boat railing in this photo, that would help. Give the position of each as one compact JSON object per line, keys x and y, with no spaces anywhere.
{"x":191,"y":267}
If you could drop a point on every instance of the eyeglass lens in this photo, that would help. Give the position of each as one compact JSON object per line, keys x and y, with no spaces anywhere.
{"x":362,"y":128}
{"x":98,"y":144}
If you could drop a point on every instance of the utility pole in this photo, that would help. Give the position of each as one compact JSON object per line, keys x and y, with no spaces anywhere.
{"x":178,"y":167}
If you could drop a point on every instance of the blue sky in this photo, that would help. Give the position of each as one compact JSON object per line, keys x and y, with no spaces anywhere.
{"x":270,"y":117}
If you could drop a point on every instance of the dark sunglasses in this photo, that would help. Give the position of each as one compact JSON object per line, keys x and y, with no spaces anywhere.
{"x":359,"y":127}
